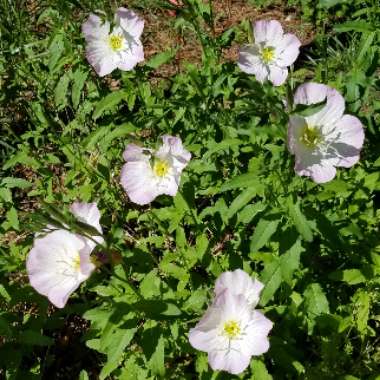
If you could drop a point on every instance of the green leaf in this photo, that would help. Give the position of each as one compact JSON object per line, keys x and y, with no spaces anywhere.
{"x":299,"y":220}
{"x":259,"y":371}
{"x":34,"y":338}
{"x":330,"y":3}
{"x":60,"y":93}
{"x":11,"y":182}
{"x":309,"y":109}
{"x":240,"y":201}
{"x":315,"y":300}
{"x":109,"y":102}
{"x":243,"y":181}
{"x":272,"y":278}
{"x":79,"y":79}
{"x":362,"y":305}
{"x":262,"y":234}
{"x":120,"y":340}
{"x":354,"y":26}
{"x":83,"y":375}
{"x":161,"y":58}
{"x":350,"y":276}
{"x":157,"y":361}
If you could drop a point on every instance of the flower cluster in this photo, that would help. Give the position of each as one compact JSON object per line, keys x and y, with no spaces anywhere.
{"x":231,"y":331}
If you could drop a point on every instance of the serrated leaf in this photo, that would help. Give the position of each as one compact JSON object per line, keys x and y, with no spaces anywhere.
{"x":60,"y":92}
{"x":79,"y":79}
{"x":262,"y":234}
{"x":161,"y":58}
{"x":315,"y":300}
{"x":157,"y":361}
{"x":243,"y":181}
{"x":299,"y":220}
{"x":108,"y":103}
{"x":271,"y":277}
{"x":240,"y":201}
{"x":12,"y":182}
{"x":362,"y":305}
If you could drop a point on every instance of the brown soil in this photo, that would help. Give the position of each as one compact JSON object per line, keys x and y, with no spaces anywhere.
{"x":160,"y":34}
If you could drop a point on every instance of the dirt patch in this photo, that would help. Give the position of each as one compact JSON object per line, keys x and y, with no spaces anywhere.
{"x":160,"y":33}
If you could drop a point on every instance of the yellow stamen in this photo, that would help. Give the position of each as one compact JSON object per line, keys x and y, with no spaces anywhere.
{"x":267,"y":54}
{"x":231,"y":329}
{"x":116,"y":42}
{"x":160,"y":168}
{"x":311,"y":136}
{"x":76,"y":262}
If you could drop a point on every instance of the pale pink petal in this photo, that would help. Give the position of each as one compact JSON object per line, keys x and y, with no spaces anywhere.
{"x":87,"y":213}
{"x":269,"y":32}
{"x":321,"y":172}
{"x":134,"y":152}
{"x":130,"y":58}
{"x":239,"y":282}
{"x":51,"y":265}
{"x":288,"y":51}
{"x":94,"y":28}
{"x":101,"y":57}
{"x":202,"y":340}
{"x":130,"y":22}
{"x":349,"y":130}
{"x":138,"y":182}
{"x":232,"y":362}
{"x":296,"y":128}
{"x":312,"y":93}
{"x":173,"y":146}
{"x":249,"y":58}
{"x":277,"y":75}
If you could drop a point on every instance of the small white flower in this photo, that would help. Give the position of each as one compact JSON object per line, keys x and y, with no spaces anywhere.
{"x":121,"y":48}
{"x":148,"y":173}
{"x":239,"y":282}
{"x":271,"y":53}
{"x":60,"y":261}
{"x":231,"y":332}
{"x":326,"y":139}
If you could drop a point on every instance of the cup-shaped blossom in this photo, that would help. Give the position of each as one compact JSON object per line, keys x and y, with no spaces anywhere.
{"x":231,"y":332}
{"x":148,"y":174}
{"x":60,"y":260}
{"x":271,"y":53}
{"x":120,"y":48}
{"x":239,"y":282}
{"x":326,"y":139}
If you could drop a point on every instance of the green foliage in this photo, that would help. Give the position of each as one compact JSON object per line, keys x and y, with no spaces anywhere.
{"x":316,"y":248}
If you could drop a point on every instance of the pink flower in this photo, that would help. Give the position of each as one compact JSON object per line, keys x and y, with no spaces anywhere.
{"x":271,"y":53}
{"x":231,"y":332}
{"x":148,"y":173}
{"x":121,"y":48}
{"x":60,"y":261}
{"x":326,"y":139}
{"x":239,"y":282}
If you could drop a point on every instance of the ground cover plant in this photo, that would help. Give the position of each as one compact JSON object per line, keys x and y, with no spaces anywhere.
{"x":207,"y":212}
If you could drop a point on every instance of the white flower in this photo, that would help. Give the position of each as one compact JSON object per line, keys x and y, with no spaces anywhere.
{"x":271,"y":54}
{"x":326,"y":139}
{"x":89,"y":213}
{"x":239,"y":282}
{"x":231,"y":332}
{"x":148,"y":173}
{"x":121,"y":48}
{"x":60,"y":261}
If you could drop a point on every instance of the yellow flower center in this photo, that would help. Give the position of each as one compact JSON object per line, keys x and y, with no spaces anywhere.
{"x":311,"y":136}
{"x":231,"y":329}
{"x":116,"y":42}
{"x":160,"y":168}
{"x":76,"y":262}
{"x":267,"y":54}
